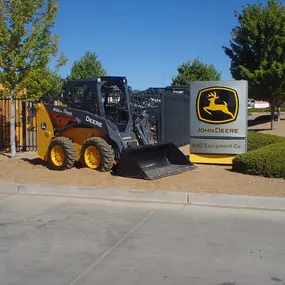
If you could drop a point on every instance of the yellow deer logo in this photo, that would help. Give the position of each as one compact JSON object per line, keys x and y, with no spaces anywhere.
{"x":212,"y":97}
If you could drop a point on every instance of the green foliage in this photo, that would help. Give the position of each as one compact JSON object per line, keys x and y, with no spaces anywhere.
{"x":46,"y":83}
{"x":258,"y":140}
{"x":26,"y":46}
{"x":87,"y":66}
{"x":257,"y":50}
{"x":26,"y":40}
{"x":195,"y":71}
{"x":267,"y":161}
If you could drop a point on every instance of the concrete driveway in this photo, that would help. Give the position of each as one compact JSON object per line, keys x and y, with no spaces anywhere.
{"x":67,"y":241}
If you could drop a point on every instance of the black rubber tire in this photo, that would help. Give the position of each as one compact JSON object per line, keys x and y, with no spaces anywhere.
{"x":106,"y":153}
{"x":69,"y":151}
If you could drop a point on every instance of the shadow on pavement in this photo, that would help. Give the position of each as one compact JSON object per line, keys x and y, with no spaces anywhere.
{"x":263,"y":119}
{"x":259,"y":130}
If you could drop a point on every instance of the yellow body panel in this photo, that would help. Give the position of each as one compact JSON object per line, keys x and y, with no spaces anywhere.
{"x":44,"y":135}
{"x":77,"y":135}
{"x":212,"y":159}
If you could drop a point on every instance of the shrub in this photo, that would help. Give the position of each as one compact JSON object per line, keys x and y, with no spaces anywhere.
{"x":267,"y":161}
{"x":257,"y":140}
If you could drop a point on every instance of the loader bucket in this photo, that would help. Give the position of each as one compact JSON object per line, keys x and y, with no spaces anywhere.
{"x":152,"y":162}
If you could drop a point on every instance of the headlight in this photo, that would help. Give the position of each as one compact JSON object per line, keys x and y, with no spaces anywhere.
{"x":99,"y":80}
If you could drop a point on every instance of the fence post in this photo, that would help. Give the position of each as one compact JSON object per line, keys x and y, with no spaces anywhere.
{"x":24,"y":124}
{"x":162,"y":118}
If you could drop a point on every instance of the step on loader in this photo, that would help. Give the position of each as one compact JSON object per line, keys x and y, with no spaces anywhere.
{"x":93,"y":124}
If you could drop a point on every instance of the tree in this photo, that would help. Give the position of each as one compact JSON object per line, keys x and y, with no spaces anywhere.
{"x":195,"y":71}
{"x":26,"y":45}
{"x":257,"y":51}
{"x":87,"y":66}
{"x":47,"y":83}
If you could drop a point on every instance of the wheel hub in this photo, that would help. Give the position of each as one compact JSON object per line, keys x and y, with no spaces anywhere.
{"x":57,"y":155}
{"x":92,"y":157}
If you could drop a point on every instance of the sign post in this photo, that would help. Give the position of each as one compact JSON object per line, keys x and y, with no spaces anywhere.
{"x":218,"y":121}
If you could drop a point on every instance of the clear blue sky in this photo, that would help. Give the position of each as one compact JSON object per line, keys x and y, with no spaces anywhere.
{"x":146,"y":40}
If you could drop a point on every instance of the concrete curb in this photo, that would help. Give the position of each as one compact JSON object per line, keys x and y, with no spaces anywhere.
{"x":146,"y":196}
{"x":236,"y":201}
{"x":106,"y":194}
{"x":8,"y":188}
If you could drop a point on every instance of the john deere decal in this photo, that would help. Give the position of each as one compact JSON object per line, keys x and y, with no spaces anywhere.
{"x":217,"y":105}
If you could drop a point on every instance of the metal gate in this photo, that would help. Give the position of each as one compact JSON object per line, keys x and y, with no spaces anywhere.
{"x":25,"y":125}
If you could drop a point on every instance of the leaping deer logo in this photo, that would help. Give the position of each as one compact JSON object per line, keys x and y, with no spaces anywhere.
{"x":212,"y":97}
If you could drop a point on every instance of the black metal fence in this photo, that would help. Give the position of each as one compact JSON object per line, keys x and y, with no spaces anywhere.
{"x":25,"y":125}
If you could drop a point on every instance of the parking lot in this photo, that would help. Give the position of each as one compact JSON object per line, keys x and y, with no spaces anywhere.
{"x":68,"y":241}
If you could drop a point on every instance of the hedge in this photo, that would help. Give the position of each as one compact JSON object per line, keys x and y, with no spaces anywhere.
{"x":267,"y":161}
{"x":257,"y":140}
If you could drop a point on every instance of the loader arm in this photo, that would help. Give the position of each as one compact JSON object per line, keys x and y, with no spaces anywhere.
{"x":142,"y":129}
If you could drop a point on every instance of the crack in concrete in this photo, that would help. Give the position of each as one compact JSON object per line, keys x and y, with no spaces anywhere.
{"x":106,"y":253}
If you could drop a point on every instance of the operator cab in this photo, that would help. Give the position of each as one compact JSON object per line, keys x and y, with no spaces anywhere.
{"x":104,"y":96}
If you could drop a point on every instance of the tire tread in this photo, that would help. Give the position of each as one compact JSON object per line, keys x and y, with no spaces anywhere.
{"x":70,"y":151}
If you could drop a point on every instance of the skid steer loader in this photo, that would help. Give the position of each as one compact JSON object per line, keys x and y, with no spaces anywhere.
{"x":93,"y":124}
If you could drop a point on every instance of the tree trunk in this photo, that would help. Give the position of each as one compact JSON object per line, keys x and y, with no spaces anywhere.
{"x":278,"y":113}
{"x":12,"y":125}
{"x":272,"y":117}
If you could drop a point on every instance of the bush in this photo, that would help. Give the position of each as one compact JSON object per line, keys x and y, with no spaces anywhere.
{"x":267,"y":161}
{"x":257,"y":140}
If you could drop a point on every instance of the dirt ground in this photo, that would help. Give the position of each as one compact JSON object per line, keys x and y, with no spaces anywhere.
{"x":205,"y":179}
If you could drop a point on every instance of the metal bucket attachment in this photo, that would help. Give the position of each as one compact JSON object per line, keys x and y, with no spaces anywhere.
{"x":152,"y":162}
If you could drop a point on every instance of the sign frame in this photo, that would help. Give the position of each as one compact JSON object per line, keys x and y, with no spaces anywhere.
{"x":226,"y":102}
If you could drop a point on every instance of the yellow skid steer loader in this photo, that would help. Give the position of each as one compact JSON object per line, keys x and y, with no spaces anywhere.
{"x":93,"y":124}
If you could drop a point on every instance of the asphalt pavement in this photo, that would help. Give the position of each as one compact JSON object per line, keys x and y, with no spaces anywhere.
{"x":72,"y":241}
